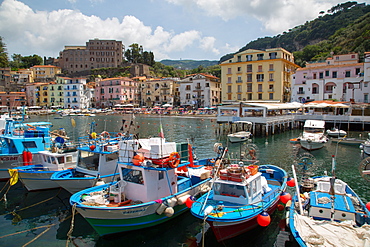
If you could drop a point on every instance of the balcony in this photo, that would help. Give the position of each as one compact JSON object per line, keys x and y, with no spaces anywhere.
{"x":300,"y":92}
{"x":239,"y":81}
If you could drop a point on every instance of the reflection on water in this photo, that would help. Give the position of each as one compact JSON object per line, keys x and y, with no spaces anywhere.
{"x":50,"y":221}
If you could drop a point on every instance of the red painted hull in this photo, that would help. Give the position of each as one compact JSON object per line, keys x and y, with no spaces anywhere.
{"x":227,"y":230}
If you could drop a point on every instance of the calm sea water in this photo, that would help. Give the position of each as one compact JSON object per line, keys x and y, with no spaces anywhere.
{"x":44,"y":217}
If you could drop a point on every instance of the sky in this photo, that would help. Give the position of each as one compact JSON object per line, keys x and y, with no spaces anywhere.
{"x":171,"y":29}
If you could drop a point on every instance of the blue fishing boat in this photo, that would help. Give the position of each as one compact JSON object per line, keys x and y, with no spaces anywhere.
{"x":157,"y":179}
{"x":242,"y":197}
{"x":97,"y":162}
{"x":21,"y":142}
{"x":325,"y":211}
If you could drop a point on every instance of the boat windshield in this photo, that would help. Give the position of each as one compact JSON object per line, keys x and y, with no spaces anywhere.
{"x":89,"y":160}
{"x":229,"y":190}
{"x":133,"y":176}
{"x":313,"y":130}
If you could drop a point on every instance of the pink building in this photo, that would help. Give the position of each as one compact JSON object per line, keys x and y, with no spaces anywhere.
{"x":340,"y":77}
{"x":113,"y":91}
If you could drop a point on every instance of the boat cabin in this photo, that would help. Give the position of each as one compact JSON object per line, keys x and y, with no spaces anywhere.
{"x":33,"y":137}
{"x":147,"y":183}
{"x":58,"y":161}
{"x":97,"y":163}
{"x":247,"y":191}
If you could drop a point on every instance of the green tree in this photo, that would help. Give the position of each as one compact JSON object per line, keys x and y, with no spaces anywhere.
{"x":4,"y":62}
{"x":30,"y":61}
{"x":17,"y":61}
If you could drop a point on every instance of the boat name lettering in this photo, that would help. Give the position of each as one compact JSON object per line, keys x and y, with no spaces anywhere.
{"x":134,"y":211}
{"x":8,"y":158}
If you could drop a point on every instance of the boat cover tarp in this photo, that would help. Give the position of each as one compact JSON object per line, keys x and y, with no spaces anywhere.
{"x":326,"y":233}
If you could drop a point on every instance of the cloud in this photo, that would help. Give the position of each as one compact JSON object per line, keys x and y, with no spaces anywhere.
{"x":46,"y":33}
{"x":276,"y":16}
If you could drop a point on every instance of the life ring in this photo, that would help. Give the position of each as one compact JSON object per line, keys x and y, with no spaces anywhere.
{"x":119,"y":134}
{"x":105,"y":134}
{"x":174,"y":159}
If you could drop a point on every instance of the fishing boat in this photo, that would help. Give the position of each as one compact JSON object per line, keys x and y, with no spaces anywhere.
{"x":37,"y":175}
{"x":241,"y":136}
{"x":335,"y":132}
{"x":97,"y":162}
{"x":147,"y":194}
{"x":365,"y":146}
{"x":325,"y":211}
{"x":313,"y":136}
{"x":22,"y":142}
{"x":348,"y":141}
{"x":241,"y":195}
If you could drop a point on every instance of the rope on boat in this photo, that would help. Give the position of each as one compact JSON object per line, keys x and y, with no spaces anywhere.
{"x":69,"y":234}
{"x":203,"y":230}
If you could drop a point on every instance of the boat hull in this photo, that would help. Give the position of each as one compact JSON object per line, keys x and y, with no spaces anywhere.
{"x":37,"y":180}
{"x":347,"y":141}
{"x":227,"y":230}
{"x":239,"y":136}
{"x":311,"y":145}
{"x":114,"y":219}
{"x":128,"y":220}
{"x":72,"y":184}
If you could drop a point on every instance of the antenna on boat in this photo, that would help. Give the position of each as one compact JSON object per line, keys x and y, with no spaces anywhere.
{"x":332,"y":188}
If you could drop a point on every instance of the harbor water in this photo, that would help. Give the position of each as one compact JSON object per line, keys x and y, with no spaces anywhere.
{"x":45,"y":218}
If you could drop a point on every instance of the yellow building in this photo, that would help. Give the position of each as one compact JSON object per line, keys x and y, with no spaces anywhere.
{"x":256,"y":75}
{"x":45,"y":72}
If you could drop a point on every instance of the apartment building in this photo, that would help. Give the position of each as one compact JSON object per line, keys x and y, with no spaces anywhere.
{"x":45,"y":73}
{"x":75,"y":93}
{"x":258,"y":75}
{"x":200,"y":90}
{"x":339,"y":77}
{"x":96,"y":54}
{"x":156,"y":92}
{"x":112,"y":91}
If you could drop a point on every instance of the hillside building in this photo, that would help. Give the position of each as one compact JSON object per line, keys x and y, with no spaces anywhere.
{"x":340,"y":77}
{"x":113,"y":91}
{"x":96,"y":54}
{"x":258,"y":75}
{"x":200,"y":90}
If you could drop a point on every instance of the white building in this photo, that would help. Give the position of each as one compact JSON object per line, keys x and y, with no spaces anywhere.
{"x":76,"y":93}
{"x":200,"y":90}
{"x":340,"y":77}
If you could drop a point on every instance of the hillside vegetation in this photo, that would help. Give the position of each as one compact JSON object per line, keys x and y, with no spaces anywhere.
{"x":344,"y":29}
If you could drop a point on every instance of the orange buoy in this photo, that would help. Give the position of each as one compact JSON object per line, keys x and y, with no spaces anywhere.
{"x":263,"y":219}
{"x":285,"y":197}
{"x":290,"y":182}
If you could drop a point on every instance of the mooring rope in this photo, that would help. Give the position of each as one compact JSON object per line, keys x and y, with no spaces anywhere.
{"x":69,"y":234}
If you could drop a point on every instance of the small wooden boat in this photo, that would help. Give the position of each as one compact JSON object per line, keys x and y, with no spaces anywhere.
{"x":335,"y":132}
{"x":347,"y":141}
{"x":37,"y":176}
{"x":241,"y":136}
{"x":313,"y":136}
{"x":146,"y":194}
{"x":294,"y":140}
{"x":241,"y":195}
{"x":97,"y":161}
{"x":325,"y":211}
